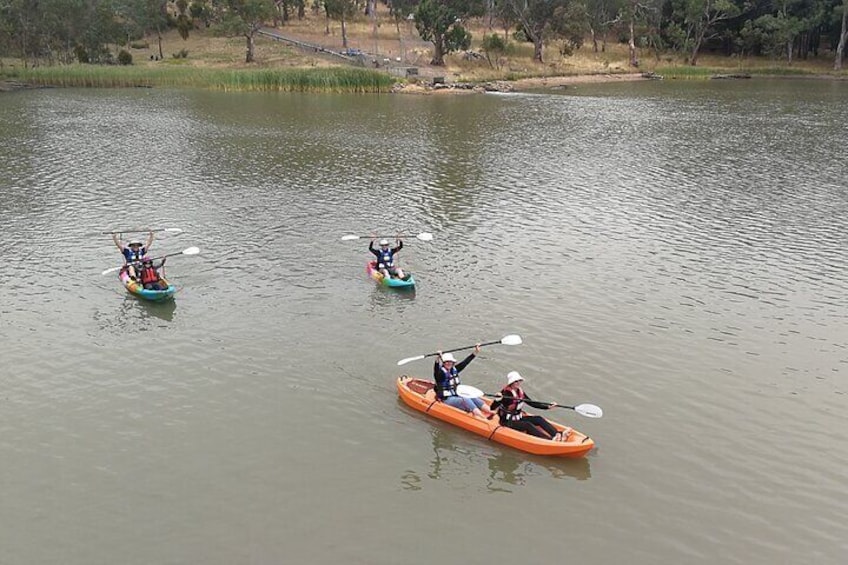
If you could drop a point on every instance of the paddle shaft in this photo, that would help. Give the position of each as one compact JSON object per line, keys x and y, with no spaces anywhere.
{"x":548,"y":404}
{"x":463,"y":348}
{"x":138,"y":230}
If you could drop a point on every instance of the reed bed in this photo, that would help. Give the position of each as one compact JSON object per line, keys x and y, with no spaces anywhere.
{"x":329,"y":79}
{"x":701,"y":73}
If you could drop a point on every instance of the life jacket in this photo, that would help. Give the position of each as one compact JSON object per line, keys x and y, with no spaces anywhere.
{"x":149,"y":275}
{"x":131,"y":256}
{"x":511,"y":407}
{"x":385,"y":259}
{"x":448,"y":387}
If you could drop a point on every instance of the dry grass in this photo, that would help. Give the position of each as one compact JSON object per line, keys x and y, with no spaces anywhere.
{"x":400,"y":45}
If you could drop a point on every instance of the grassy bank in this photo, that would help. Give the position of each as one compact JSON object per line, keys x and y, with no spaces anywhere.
{"x":327,"y":79}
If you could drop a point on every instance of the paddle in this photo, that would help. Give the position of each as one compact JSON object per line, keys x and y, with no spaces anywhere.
{"x":424,"y":236}
{"x":186,"y":251}
{"x":506,"y":340}
{"x":588,"y":410}
{"x":142,"y":230}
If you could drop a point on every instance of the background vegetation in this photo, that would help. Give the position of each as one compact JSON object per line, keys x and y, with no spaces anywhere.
{"x":498,"y":32}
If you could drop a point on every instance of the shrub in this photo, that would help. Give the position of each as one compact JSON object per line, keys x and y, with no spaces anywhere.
{"x":124,"y":57}
{"x":81,"y":54}
{"x":140,"y":45}
{"x":181,"y":54}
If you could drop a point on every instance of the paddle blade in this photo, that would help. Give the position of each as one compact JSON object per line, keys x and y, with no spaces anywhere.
{"x":410,"y":359}
{"x":589,"y":410}
{"x":511,"y":340}
{"x":191,"y":251}
{"x":111,"y":270}
{"x":468,"y":391}
{"x":425,"y":236}
{"x":349,"y":237}
{"x":173,"y":230}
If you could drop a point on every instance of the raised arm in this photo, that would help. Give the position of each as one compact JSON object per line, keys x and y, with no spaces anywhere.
{"x":464,"y":363}
{"x":149,"y":241}
{"x":117,"y":242}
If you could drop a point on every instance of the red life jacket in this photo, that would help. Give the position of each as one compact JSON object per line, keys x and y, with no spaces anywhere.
{"x":149,"y":275}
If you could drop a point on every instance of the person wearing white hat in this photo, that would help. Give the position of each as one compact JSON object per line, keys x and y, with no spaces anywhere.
{"x":509,"y":405}
{"x":133,"y":251}
{"x":446,"y":374}
{"x":386,"y":257}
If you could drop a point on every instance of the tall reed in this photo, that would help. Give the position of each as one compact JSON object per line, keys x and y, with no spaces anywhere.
{"x":330,"y":79}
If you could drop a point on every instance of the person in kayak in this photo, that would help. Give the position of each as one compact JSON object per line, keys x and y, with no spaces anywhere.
{"x":386,"y":257}
{"x":133,"y":251}
{"x":149,"y":275}
{"x":509,"y":406}
{"x":446,"y":374}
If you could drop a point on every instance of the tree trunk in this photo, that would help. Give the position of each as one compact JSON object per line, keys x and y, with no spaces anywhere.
{"x":631,"y":44}
{"x":344,"y":32}
{"x":251,"y":44}
{"x":789,"y":51}
{"x":537,"y":49}
{"x":699,"y":38}
{"x":843,"y":37}
{"x":159,"y":38}
{"x":438,"y":53}
{"x":594,"y":39}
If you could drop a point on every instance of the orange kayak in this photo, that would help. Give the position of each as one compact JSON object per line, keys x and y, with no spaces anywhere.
{"x":419,"y":394}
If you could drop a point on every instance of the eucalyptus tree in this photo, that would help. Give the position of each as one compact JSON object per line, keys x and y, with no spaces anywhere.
{"x":542,"y":20}
{"x":245,"y":18}
{"x":440,"y":22}
{"x":699,"y":19}
{"x":150,"y":16}
{"x":843,"y":38}
{"x":343,"y":11}
{"x":601,"y":16}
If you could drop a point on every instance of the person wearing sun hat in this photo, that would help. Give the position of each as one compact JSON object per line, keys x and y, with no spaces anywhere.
{"x":133,"y":251}
{"x":509,"y":405}
{"x":446,"y":374}
{"x":386,"y":257}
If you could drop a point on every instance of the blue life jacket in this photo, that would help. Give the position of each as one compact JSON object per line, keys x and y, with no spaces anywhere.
{"x":130,"y":255}
{"x":385,"y":259}
{"x":449,"y":384}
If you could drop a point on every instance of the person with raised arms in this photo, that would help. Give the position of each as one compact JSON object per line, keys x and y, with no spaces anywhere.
{"x":509,"y":405}
{"x":446,"y":374}
{"x":386,"y":257}
{"x":133,"y":251}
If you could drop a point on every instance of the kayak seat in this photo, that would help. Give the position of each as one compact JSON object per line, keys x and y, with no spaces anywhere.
{"x":419,"y":386}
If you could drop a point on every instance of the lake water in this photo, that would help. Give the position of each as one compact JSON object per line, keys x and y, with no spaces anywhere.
{"x":672,"y":252}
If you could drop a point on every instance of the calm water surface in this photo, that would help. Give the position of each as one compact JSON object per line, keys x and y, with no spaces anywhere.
{"x":675,"y":253}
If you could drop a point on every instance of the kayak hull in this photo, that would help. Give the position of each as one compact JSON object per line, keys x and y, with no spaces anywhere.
{"x":371,"y":269}
{"x":137,"y":289}
{"x":419,"y":394}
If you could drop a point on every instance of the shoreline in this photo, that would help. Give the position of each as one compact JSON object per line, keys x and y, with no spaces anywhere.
{"x":527,"y":84}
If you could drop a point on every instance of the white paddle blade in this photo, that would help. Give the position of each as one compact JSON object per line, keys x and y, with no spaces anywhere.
{"x":191,"y":251}
{"x":511,"y":340}
{"x":425,"y":236}
{"x":349,"y":237}
{"x":173,"y":230}
{"x":111,"y":270}
{"x":410,"y":359}
{"x":589,"y":410}
{"x":468,"y":391}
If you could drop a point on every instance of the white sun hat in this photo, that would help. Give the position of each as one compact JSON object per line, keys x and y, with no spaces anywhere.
{"x":513,"y":376}
{"x":448,"y":357}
